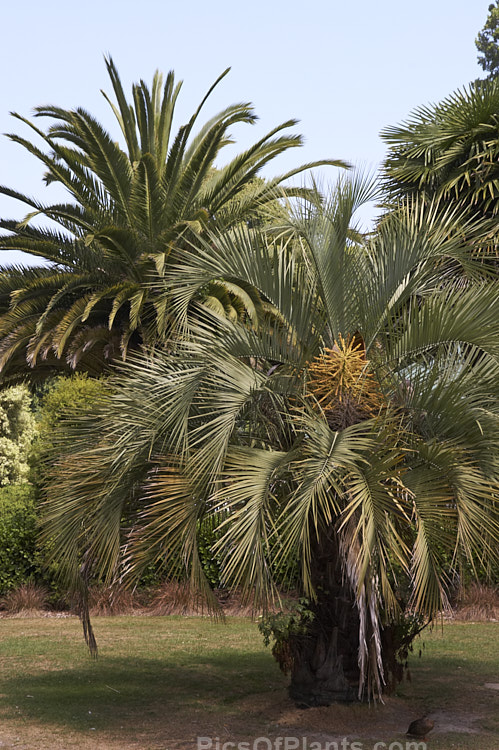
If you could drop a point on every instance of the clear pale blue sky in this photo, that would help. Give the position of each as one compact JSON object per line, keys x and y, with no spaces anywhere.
{"x":344,"y":69}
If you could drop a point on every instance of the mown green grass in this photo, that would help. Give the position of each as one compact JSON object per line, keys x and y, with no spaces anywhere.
{"x":146,"y":666}
{"x":162,"y":680}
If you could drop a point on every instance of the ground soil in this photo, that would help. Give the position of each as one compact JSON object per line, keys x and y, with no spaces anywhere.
{"x":267,"y":716}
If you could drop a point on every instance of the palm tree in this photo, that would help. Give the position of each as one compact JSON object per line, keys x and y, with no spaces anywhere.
{"x":448,"y":151}
{"x":129,"y":207}
{"x":353,"y":436}
{"x":449,"y":148}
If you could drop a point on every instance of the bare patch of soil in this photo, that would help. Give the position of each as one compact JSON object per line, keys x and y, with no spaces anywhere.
{"x":267,"y":715}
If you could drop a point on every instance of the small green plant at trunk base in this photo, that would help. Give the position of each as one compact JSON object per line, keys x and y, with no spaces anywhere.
{"x":281,"y":627}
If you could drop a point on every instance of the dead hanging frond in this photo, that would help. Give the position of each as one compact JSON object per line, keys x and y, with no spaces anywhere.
{"x":88,"y":631}
{"x":83,"y":609}
{"x":342,"y":384}
{"x":368,"y":601}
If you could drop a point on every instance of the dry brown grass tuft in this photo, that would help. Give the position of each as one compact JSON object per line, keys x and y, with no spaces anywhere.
{"x":234,"y":604}
{"x":29,"y":598}
{"x":478,"y":603}
{"x":176,"y":599}
{"x":112,"y":600}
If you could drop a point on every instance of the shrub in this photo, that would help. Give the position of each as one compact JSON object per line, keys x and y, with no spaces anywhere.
{"x":19,"y":559}
{"x":282,"y":627}
{"x":57,"y":404}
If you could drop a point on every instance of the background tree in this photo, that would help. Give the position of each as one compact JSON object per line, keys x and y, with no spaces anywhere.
{"x":487,"y":42}
{"x":447,"y":150}
{"x":356,"y":433}
{"x":17,"y":430}
{"x":129,"y":207}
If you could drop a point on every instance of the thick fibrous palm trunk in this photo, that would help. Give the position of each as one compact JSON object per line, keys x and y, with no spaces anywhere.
{"x":325,"y":657}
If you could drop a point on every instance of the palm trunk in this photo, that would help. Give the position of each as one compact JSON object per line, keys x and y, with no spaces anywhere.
{"x":325,"y":652}
{"x":325,"y":657}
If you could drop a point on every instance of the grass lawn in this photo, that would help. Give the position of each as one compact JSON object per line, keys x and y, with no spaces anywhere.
{"x":159,"y":683}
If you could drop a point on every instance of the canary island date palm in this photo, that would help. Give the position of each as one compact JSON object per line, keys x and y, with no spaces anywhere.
{"x":353,"y":438}
{"x":128,"y":206}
